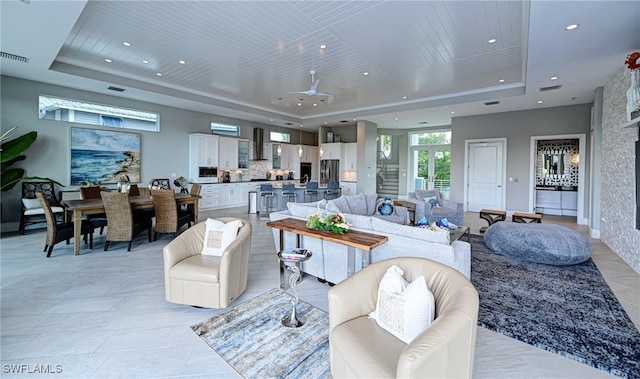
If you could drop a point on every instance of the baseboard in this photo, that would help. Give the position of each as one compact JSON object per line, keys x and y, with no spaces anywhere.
{"x":594,"y":233}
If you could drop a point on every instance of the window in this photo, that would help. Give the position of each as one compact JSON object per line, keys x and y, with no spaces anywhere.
{"x":280,"y":137}
{"x":385,"y":145}
{"x":224,"y":129}
{"x":68,"y":110}
{"x":430,"y":138}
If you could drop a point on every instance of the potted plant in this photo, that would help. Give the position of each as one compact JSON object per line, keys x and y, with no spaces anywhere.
{"x":11,"y":152}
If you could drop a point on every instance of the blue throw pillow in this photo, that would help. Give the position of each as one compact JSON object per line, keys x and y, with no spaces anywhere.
{"x":385,"y":207}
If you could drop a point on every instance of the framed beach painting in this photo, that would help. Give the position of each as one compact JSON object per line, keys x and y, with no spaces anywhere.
{"x":102,"y":156}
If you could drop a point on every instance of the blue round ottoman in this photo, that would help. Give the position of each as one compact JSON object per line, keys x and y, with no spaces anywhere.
{"x":539,"y":243}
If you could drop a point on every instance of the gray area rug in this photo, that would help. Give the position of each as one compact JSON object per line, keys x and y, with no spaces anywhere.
{"x":567,"y":310}
{"x":251,"y":338}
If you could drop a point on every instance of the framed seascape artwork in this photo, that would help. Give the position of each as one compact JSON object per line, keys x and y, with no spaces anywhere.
{"x":101,"y":156}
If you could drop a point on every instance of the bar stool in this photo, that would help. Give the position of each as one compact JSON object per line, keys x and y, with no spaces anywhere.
{"x":288,"y":192}
{"x":333,"y":190}
{"x":312,"y":190}
{"x":266,"y":191}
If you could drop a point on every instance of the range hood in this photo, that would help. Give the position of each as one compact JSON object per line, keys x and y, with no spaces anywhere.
{"x":258,"y":144}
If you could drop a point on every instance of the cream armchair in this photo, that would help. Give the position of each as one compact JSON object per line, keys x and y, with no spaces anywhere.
{"x":205,"y":280}
{"x":359,"y":348}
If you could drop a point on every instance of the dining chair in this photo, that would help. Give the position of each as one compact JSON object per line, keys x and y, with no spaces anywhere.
{"x":58,"y":232}
{"x":169,"y":219}
{"x":32,"y":211}
{"x":123,"y":224}
{"x":195,"y":191}
{"x":98,"y":220}
{"x":163,"y":184}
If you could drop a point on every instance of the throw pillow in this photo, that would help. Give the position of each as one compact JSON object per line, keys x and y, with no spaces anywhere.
{"x":31,"y":203}
{"x":432,"y":200}
{"x":385,"y":206}
{"x":218,"y":236}
{"x":403,"y":309}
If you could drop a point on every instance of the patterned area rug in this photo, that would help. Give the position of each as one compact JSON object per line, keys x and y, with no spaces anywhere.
{"x":567,"y":310}
{"x":251,"y":338}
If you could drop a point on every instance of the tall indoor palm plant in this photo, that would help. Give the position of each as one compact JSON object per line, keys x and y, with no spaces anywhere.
{"x":11,"y":152}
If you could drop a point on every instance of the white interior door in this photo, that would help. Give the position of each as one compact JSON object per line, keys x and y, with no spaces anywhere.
{"x":485,"y":175}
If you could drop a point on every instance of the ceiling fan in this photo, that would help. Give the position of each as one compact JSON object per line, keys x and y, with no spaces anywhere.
{"x":313,"y":91}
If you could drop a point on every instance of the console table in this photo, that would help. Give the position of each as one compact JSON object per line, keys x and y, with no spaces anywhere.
{"x":353,"y":239}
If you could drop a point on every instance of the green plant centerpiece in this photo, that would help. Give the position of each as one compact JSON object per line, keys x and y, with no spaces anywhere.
{"x":10,"y":153}
{"x":335,"y":223}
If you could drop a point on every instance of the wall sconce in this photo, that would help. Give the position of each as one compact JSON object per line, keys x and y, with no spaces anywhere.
{"x":575,"y":159}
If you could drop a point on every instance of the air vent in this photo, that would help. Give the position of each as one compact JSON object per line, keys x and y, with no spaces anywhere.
{"x":288,"y":123}
{"x":14,"y":57}
{"x":117,"y":89}
{"x":492,"y":102}
{"x":344,"y":121}
{"x":551,"y":88}
{"x":423,"y":123}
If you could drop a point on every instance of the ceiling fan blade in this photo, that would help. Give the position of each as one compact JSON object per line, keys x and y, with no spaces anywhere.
{"x":314,"y":86}
{"x":320,"y":93}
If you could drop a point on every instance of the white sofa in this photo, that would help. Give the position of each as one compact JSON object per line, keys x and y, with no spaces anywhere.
{"x":332,"y":261}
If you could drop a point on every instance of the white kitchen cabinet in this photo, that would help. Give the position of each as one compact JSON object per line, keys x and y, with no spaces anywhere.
{"x":209,"y":197}
{"x":309,"y":154}
{"x":332,"y":150}
{"x":350,"y":154}
{"x":203,"y":152}
{"x":348,"y":188}
{"x":234,"y":194}
{"x":228,"y":153}
{"x":290,"y":159}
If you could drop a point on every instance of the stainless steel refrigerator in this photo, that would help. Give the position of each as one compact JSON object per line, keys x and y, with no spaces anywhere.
{"x":329,"y":171}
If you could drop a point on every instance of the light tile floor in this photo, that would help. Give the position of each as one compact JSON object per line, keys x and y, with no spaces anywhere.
{"x":103,"y":315}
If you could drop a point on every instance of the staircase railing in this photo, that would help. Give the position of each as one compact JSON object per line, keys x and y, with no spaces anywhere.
{"x":381,"y":172}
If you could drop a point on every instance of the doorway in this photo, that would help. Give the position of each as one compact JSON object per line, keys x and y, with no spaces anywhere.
{"x":485,"y":168}
{"x":432,"y":168}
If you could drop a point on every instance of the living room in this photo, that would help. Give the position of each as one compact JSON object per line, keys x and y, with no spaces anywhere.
{"x":609,"y":217}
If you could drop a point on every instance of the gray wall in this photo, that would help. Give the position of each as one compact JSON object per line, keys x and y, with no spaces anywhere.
{"x":517,"y":128}
{"x":617,"y":228}
{"x":162,"y":153}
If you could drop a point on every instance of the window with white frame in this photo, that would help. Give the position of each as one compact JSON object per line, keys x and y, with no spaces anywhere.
{"x":83,"y":112}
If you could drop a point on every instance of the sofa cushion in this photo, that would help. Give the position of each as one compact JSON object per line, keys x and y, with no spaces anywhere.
{"x":31,"y":203}
{"x":302,"y":210}
{"x":372,"y":200}
{"x":339,"y":205}
{"x":409,"y":231}
{"x":403,"y":309}
{"x":357,"y":204}
{"x":218,"y":235}
{"x":358,"y":221}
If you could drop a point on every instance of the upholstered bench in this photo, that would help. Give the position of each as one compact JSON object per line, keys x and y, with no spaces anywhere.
{"x":539,"y":243}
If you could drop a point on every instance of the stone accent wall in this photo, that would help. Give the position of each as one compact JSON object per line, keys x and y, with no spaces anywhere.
{"x":618,"y":173}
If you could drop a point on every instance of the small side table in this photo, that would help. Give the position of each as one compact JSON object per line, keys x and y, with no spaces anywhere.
{"x":492,"y":216}
{"x":294,"y":257}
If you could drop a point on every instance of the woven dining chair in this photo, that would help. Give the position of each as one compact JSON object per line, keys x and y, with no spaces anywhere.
{"x":98,"y":220}
{"x":123,"y":225}
{"x":195,"y":190}
{"x":31,"y":211}
{"x":168,"y":218}
{"x":58,"y":232}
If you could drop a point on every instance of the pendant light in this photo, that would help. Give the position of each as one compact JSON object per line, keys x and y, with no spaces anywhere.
{"x":280,"y":144}
{"x":300,"y":152}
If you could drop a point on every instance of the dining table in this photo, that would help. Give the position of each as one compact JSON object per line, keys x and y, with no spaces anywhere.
{"x":85,"y":207}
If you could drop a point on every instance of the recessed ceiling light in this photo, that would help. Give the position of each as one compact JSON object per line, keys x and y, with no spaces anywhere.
{"x":299,"y":104}
{"x":540,"y":101}
{"x":396,"y":119}
{"x":492,"y":40}
{"x":355,"y":119}
{"x":271,"y":120}
{"x":127,"y":44}
{"x":158,"y":74}
{"x":323,"y":46}
{"x":571,"y":27}
{"x":315,"y":105}
{"x":501,"y":81}
{"x":108,"y":60}
{"x":145,"y":61}
{"x":553,"y":78}
{"x":326,"y":123}
{"x":453,"y":112}
{"x":365,"y":73}
{"x":404,"y":98}
{"x":181,"y":61}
